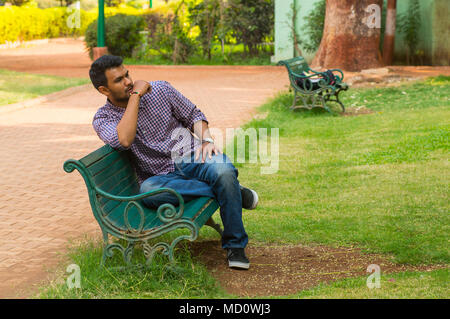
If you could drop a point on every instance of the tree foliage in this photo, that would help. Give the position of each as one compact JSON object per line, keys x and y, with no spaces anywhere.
{"x":409,"y":24}
{"x":251,"y":21}
{"x":114,"y":3}
{"x":206,"y":15}
{"x":17,"y":2}
{"x":168,"y":36}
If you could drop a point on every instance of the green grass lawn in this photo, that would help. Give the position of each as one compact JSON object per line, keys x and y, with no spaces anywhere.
{"x":406,"y":285}
{"x":18,"y":86}
{"x":378,"y":182}
{"x":188,"y":279}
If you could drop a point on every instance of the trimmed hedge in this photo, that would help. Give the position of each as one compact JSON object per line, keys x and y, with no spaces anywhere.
{"x":26,"y":23}
{"x":121,"y":33}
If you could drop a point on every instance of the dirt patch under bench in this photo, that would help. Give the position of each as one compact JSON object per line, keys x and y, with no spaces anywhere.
{"x":283,"y":270}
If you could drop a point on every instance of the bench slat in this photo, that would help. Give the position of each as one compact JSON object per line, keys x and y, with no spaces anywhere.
{"x":114,"y":175}
{"x":97,"y":155}
{"x":299,"y":67}
{"x":103,"y":164}
{"x":126,"y":188}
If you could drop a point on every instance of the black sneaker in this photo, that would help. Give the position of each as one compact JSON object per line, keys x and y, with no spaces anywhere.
{"x":237,"y":259}
{"x":249,"y":198}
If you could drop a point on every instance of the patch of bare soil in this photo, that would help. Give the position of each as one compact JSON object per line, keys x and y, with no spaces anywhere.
{"x":283,"y":270}
{"x":393,"y":75}
{"x":355,"y":111}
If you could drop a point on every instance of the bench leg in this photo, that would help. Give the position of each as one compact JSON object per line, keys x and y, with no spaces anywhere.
{"x":323,"y":101}
{"x":165,"y":248}
{"x":328,"y":97}
{"x":210,"y":222}
{"x":305,"y":100}
{"x":295,"y":99}
{"x":126,"y":252}
{"x":149,"y":250}
{"x":340,"y":103}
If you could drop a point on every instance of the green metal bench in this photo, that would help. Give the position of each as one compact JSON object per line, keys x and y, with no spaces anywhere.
{"x":310,"y":96}
{"x":118,"y":208}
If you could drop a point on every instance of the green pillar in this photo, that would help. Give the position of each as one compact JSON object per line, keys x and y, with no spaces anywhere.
{"x":101,"y":24}
{"x":151,"y":4}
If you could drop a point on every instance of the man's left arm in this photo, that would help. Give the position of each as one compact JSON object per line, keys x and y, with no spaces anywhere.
{"x":193,"y":119}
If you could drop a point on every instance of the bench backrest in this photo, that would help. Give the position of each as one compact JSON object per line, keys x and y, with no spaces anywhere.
{"x":112,"y":172}
{"x":297,"y":65}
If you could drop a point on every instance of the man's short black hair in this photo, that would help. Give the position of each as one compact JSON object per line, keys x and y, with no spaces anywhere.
{"x":99,"y":67}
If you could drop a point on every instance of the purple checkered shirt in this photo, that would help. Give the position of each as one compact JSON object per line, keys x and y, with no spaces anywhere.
{"x":162,"y":114}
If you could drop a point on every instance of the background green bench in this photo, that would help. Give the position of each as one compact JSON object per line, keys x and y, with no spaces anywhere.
{"x":118,"y":208}
{"x":313,"y":97}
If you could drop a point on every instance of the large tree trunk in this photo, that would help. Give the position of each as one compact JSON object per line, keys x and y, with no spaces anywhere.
{"x":351,"y":36}
{"x":389,"y":33}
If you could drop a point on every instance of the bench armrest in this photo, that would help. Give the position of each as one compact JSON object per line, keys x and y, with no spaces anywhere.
{"x":340,"y":77}
{"x":139,"y":196}
{"x":165,"y":212}
{"x":308,"y":84}
{"x":304,"y":76}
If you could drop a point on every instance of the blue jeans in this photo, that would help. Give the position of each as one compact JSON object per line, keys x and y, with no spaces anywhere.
{"x":216,"y":178}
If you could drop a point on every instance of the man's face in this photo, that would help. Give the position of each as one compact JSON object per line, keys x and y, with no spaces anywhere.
{"x":120,"y":84}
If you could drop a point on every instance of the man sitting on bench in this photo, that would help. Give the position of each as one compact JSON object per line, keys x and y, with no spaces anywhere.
{"x":147,"y":118}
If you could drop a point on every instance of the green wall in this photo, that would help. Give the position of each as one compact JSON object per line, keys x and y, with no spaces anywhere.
{"x":441,"y":33}
{"x":284,"y":47}
{"x":425,"y":31}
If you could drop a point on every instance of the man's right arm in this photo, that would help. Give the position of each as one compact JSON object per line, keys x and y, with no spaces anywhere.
{"x":126,"y":129}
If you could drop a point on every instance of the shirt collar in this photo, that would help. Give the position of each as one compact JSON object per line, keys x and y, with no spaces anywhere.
{"x":114,"y":107}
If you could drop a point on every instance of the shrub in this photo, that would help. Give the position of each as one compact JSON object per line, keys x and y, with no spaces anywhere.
{"x":152,"y":20}
{"x":169,"y":33}
{"x":206,"y":15}
{"x":121,"y":34}
{"x":251,"y":21}
{"x":29,"y":23}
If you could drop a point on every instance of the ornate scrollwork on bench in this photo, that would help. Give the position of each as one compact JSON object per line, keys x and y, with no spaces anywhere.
{"x":126,"y":218}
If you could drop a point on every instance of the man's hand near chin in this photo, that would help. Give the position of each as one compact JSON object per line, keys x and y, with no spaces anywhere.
{"x":126,"y":129}
{"x":140,"y":86}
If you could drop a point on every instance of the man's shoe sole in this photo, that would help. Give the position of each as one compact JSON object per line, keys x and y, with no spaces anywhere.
{"x":238,"y":264}
{"x":255,"y":200}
